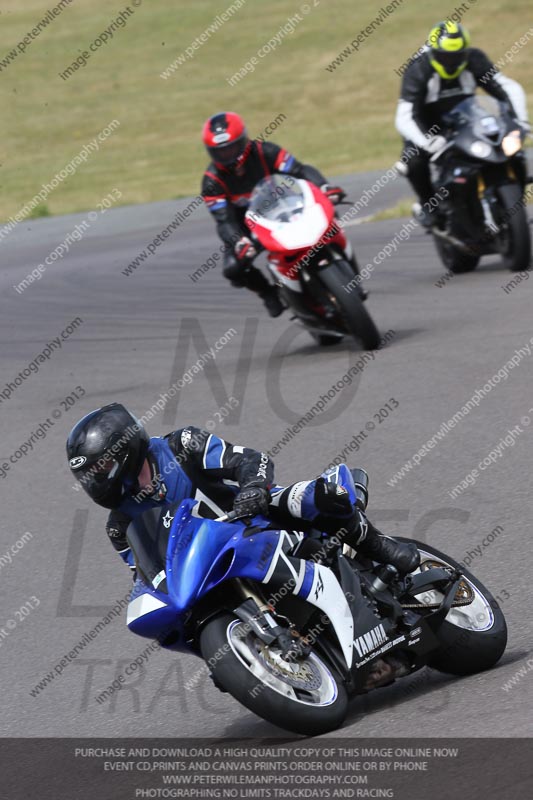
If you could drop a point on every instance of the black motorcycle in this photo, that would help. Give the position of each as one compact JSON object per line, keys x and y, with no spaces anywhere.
{"x":479,"y":206}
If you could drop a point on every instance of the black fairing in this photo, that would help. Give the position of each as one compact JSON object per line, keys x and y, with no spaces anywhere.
{"x":460,"y":171}
{"x":148,"y":536}
{"x":409,"y":633}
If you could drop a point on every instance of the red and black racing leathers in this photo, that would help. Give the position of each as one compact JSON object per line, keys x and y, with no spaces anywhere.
{"x":227,"y":190}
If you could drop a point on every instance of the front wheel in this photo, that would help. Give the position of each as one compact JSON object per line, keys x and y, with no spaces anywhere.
{"x":303,"y":696}
{"x":338,"y":278}
{"x":472,"y":637}
{"x":454,"y":259}
{"x":515,"y":238}
{"x":325,"y":340}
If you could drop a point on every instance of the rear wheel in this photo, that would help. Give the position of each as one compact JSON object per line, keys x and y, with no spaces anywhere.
{"x":335,"y":278}
{"x":515,"y":237}
{"x":304,"y":696}
{"x":473,"y":636}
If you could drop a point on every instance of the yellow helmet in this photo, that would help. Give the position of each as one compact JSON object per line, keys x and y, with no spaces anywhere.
{"x":448,"y":42}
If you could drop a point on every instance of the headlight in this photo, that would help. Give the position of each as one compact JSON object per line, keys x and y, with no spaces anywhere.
{"x":480,"y":149}
{"x":512,"y":143}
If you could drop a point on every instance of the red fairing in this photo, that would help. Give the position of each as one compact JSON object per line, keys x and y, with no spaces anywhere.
{"x":295,"y":232}
{"x":269,"y":241}
{"x":333,"y":235}
{"x":263,"y":234}
{"x":320,"y":198}
{"x":339,"y":238}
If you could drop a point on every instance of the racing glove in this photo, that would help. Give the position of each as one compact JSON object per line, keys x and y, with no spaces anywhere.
{"x":244,"y":249}
{"x":252,"y":501}
{"x":334,"y":193}
{"x":524,"y":125}
{"x":435,"y":144}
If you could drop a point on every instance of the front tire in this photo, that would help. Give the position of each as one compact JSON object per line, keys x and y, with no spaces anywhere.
{"x":454,"y":259}
{"x":312,"y":701}
{"x":325,"y":340}
{"x":351,"y":309}
{"x":516,"y":239}
{"x":472,"y":638}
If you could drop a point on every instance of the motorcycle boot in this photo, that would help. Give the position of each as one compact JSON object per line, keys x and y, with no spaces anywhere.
{"x":273,"y":304}
{"x":367,"y":540}
{"x":254,"y":280}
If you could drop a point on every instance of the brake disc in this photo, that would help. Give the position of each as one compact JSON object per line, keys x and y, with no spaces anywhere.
{"x":299,"y":674}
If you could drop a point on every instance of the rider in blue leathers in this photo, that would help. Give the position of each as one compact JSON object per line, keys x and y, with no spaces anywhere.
{"x":123,"y":469}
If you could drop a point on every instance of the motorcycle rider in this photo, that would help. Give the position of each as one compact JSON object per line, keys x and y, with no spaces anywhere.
{"x":238,"y":164}
{"x":447,"y":71}
{"x":121,"y":468}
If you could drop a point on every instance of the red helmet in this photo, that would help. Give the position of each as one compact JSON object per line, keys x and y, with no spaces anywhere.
{"x":225,"y":138}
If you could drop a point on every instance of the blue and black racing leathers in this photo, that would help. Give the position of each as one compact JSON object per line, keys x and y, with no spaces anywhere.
{"x":193,"y":463}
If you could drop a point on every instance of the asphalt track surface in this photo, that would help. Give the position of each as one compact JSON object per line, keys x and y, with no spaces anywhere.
{"x":448,"y":341}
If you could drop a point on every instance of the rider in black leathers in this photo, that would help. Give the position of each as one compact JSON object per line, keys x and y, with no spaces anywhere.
{"x":447,"y":71}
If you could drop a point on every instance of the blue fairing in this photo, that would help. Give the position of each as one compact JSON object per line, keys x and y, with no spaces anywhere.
{"x":201,"y":554}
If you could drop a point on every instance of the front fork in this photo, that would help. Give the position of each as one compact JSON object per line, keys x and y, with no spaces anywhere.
{"x":490,"y":222}
{"x":258,"y":616}
{"x":514,"y":171}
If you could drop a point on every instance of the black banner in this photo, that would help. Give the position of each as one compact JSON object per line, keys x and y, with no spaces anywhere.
{"x":133,"y":769}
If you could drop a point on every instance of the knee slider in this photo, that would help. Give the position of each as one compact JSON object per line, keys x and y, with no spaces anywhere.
{"x":332,"y":499}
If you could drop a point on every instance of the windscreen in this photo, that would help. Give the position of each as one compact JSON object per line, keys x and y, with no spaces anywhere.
{"x":483,"y":113}
{"x":148,"y":536}
{"x":278,"y":198}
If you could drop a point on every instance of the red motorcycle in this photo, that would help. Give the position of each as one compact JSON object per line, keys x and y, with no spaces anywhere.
{"x":310,"y":259}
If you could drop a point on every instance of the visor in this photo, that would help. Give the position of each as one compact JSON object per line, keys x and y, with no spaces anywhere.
{"x":105,"y":471}
{"x":450,"y":61}
{"x":227,"y":154}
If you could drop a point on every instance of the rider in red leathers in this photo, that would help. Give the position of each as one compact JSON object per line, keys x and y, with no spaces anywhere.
{"x":238,"y":164}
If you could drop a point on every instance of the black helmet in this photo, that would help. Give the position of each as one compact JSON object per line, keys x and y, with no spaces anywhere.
{"x":106,"y":450}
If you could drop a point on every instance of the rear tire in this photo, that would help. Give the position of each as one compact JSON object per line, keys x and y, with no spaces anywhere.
{"x":463,"y":651}
{"x":217,"y":644}
{"x":355,"y":317}
{"x":516,"y":246}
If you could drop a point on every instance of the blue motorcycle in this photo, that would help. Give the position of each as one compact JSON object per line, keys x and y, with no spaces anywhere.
{"x":295,"y":650}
